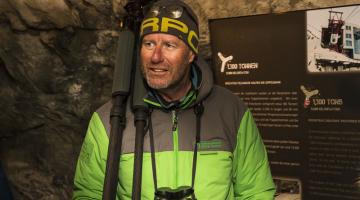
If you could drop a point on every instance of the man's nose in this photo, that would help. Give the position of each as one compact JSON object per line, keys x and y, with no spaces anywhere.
{"x":157,"y":55}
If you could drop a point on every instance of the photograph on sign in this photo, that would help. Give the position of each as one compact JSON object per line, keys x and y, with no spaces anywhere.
{"x":333,"y":40}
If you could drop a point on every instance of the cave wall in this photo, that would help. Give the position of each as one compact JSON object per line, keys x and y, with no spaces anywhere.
{"x":56,"y":65}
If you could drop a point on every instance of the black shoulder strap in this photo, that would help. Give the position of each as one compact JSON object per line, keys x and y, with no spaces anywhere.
{"x":199,"y":110}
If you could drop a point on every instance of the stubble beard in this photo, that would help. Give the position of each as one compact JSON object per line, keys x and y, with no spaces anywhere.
{"x":171,"y":84}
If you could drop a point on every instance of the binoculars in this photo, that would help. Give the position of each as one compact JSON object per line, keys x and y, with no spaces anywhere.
{"x":181,"y":193}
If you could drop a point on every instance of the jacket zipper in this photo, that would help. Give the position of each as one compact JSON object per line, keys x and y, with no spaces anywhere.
{"x":175,"y":143}
{"x":174,"y":119}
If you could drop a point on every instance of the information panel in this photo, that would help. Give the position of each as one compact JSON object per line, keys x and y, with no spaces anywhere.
{"x":299,"y":73}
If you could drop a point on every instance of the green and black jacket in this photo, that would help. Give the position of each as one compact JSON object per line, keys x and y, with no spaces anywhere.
{"x":231,"y":160}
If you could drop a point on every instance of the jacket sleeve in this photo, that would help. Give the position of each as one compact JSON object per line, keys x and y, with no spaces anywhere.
{"x":252,"y":177}
{"x":90,"y":169}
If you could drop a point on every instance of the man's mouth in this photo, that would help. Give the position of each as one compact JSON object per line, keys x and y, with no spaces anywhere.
{"x":158,"y":71}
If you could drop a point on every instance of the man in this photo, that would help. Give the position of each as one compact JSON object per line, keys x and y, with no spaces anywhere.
{"x":186,"y":109}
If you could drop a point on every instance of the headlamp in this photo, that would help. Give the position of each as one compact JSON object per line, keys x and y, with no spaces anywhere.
{"x":172,"y":11}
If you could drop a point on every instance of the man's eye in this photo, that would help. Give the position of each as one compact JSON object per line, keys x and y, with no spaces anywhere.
{"x":170,"y":45}
{"x":148,"y":44}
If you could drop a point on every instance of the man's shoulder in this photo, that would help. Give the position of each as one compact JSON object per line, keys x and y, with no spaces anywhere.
{"x":223,"y":99}
{"x":221,"y":89}
{"x":225,"y":95}
{"x":104,"y":113}
{"x":104,"y":110}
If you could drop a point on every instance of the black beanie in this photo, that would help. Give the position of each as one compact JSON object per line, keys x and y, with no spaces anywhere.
{"x":184,"y":27}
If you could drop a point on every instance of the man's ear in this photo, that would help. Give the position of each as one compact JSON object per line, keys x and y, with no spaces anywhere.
{"x":191,"y":56}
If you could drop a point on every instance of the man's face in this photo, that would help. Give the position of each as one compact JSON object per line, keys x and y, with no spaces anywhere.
{"x":165,"y":61}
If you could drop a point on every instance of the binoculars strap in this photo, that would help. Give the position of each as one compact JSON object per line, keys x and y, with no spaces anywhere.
{"x":198,"y":110}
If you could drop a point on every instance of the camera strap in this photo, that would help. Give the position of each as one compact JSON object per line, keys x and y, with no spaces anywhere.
{"x":198,"y":110}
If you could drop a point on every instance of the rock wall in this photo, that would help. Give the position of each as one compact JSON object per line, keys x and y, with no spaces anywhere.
{"x":56,"y":65}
